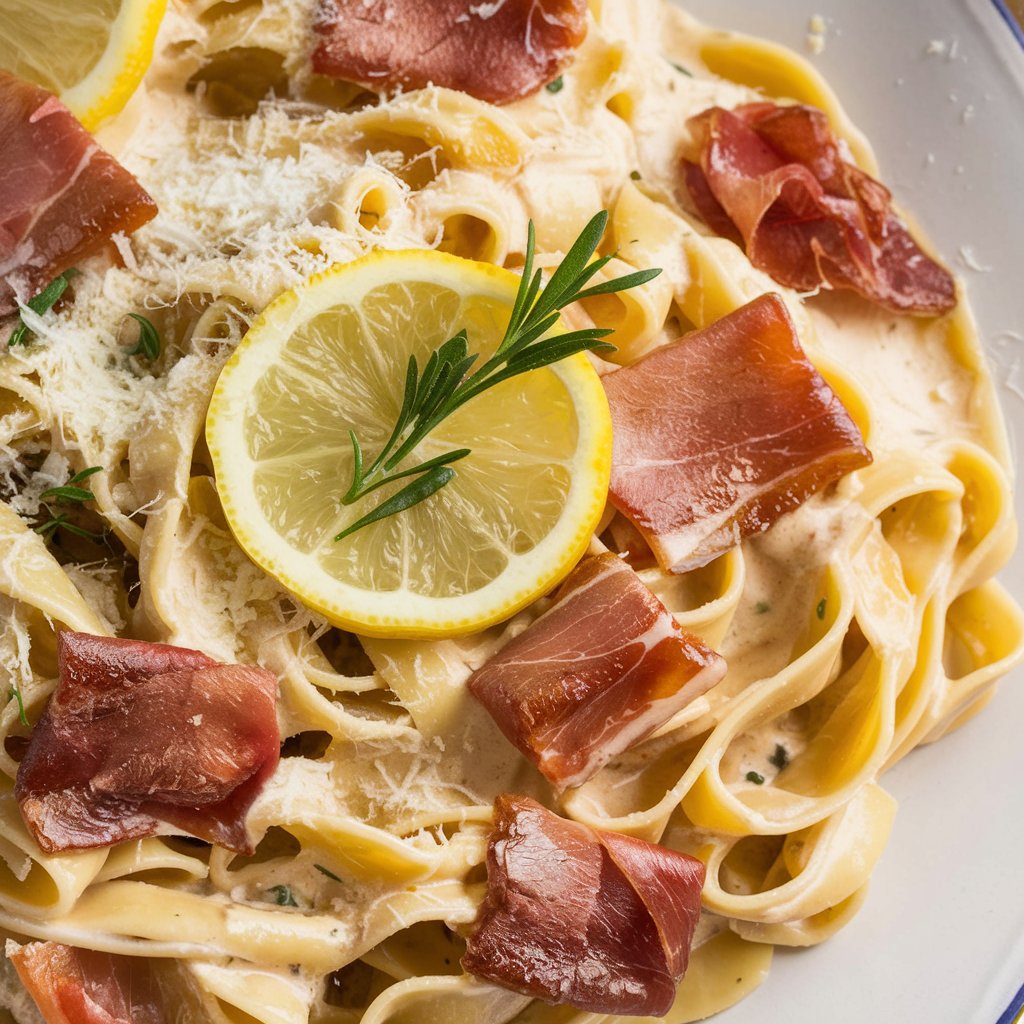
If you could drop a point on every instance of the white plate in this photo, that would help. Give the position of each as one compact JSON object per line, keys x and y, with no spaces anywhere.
{"x":941,"y":938}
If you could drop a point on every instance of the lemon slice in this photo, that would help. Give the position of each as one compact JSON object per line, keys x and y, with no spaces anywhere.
{"x":331,"y":356}
{"x":91,"y":53}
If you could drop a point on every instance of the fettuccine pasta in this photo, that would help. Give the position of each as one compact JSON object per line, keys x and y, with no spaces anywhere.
{"x":862,"y":625}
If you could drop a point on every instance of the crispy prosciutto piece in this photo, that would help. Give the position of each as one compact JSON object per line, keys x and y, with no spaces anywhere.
{"x":596,"y":673}
{"x":137,"y":734}
{"x":61,"y":195}
{"x":717,"y":435}
{"x":82,"y":986}
{"x":777,"y":178}
{"x":600,"y":921}
{"x":498,"y":51}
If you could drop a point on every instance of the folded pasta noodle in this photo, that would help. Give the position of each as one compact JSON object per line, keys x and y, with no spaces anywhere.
{"x":864,"y":622}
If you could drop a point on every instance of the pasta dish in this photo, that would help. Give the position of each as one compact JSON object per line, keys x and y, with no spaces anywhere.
{"x":596,"y":716}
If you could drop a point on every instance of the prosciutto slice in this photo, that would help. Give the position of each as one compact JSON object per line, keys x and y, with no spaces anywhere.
{"x":596,"y":673}
{"x":720,"y":433}
{"x":61,"y":195}
{"x":600,"y":921}
{"x":82,"y":986}
{"x":498,"y":51}
{"x":137,"y":734}
{"x":777,"y":178}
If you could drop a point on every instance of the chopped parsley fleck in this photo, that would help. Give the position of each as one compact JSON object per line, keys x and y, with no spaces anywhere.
{"x":756,"y":778}
{"x":283,"y":896}
{"x":556,"y":85}
{"x":821,"y":608}
{"x":762,"y":607}
{"x":780,"y":758}
{"x":681,"y":69}
{"x":635,"y":175}
{"x":329,"y":874}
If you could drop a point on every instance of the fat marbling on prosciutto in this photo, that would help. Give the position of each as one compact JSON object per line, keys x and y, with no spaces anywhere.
{"x":61,"y":195}
{"x":83,"y":986}
{"x":498,"y":52}
{"x":596,"y":673}
{"x":137,"y":734}
{"x":779,"y":179}
{"x":717,"y":435}
{"x":598,"y":920}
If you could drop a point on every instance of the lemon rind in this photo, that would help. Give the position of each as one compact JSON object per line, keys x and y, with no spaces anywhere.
{"x":117,"y":74}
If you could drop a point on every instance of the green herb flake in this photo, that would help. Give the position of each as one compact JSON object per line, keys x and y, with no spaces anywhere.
{"x":70,"y":493}
{"x":635,"y":175}
{"x":149,"y":339}
{"x":556,"y":85}
{"x":61,"y":522}
{"x":681,"y":69}
{"x":85,"y":474}
{"x":780,"y":758}
{"x":821,"y":608}
{"x":762,"y":608}
{"x":40,"y":304}
{"x":328,"y":873}
{"x":446,"y":384}
{"x":15,"y":694}
{"x":282,"y":896}
{"x":756,"y":778}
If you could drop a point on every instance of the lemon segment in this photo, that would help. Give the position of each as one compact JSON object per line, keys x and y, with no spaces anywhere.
{"x":91,"y":53}
{"x":331,"y":356}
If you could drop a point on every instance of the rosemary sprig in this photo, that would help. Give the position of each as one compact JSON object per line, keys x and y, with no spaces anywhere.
{"x":445,"y":383}
{"x":68,"y":494}
{"x":149,"y":338}
{"x":41,"y":303}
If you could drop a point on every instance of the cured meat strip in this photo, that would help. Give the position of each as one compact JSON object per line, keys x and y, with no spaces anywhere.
{"x":596,"y":673}
{"x":497,"y":52}
{"x":720,"y":433}
{"x":82,"y":986}
{"x":776,"y":177}
{"x":137,"y":734}
{"x":61,"y":195}
{"x":600,"y":921}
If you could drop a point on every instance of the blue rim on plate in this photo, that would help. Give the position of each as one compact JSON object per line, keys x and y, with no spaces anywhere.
{"x":1013,"y":1012}
{"x":1018,"y":33}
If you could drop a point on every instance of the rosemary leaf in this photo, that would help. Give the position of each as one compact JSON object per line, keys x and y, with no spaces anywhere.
{"x":149,"y":338}
{"x":68,"y":493}
{"x":78,"y":531}
{"x":15,"y":694}
{"x":412,"y":494}
{"x":85,"y":474}
{"x":619,"y":283}
{"x":421,"y":467}
{"x":39,"y":304}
